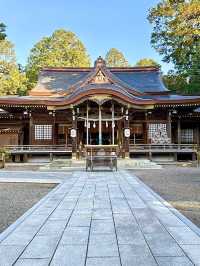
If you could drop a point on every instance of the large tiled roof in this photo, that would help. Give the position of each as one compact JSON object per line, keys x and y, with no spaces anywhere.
{"x":143,"y":81}
{"x":59,"y":80}
{"x":68,"y":86}
{"x":139,"y":79}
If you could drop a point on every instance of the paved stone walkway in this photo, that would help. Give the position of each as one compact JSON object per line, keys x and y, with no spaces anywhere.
{"x":100,"y":219}
{"x":33,"y":177}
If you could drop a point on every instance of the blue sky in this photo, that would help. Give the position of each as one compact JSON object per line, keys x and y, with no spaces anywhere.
{"x":99,"y":24}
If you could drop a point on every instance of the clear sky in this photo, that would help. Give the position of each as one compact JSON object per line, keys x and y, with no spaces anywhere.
{"x":99,"y":24}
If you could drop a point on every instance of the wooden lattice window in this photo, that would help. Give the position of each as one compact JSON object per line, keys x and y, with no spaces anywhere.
{"x":153,"y":128}
{"x":187,"y":135}
{"x":43,"y":132}
{"x":158,"y":133}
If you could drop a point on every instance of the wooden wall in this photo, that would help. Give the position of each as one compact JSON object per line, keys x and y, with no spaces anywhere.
{"x":9,"y":139}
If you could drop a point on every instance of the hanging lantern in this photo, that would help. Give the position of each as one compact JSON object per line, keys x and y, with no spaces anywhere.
{"x":88,"y":124}
{"x":94,"y":125}
{"x":85,"y":124}
{"x":107,"y":124}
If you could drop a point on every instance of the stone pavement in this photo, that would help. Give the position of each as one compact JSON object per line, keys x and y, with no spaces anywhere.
{"x":100,"y":219}
{"x":33,"y":177}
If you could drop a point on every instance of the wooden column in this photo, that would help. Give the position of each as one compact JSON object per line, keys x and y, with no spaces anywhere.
{"x":30,"y":130}
{"x":146,"y":128}
{"x":87,"y":129}
{"x":113,"y":124}
{"x":179,"y":131}
{"x":100,"y":126}
{"x":198,"y":134}
{"x":169,"y":126}
{"x":126,"y":139}
{"x":54,"y":135}
{"x":74,"y":139}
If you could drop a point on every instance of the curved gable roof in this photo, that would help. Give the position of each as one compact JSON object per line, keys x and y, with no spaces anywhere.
{"x":137,"y":80}
{"x":143,"y":81}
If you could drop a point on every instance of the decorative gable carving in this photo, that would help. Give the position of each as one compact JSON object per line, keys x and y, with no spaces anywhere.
{"x":100,"y":78}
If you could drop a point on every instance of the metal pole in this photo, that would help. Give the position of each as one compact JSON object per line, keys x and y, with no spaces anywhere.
{"x":87,"y":135}
{"x":113,"y":121}
{"x":100,"y":127}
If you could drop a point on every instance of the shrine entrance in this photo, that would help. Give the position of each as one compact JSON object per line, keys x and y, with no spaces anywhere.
{"x":100,"y":124}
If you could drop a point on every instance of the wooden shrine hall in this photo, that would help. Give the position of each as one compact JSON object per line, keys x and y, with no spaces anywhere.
{"x":73,"y":107}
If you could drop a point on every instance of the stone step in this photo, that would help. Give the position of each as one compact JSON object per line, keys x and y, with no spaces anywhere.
{"x":122,"y":163}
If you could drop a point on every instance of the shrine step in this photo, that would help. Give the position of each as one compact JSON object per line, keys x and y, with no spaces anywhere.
{"x":66,"y":164}
{"x":137,"y":164}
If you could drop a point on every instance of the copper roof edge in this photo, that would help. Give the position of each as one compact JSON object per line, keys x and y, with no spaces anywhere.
{"x":114,"y":69}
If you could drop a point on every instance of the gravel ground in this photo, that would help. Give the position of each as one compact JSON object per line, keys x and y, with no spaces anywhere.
{"x":180,"y":186}
{"x":17,"y":198}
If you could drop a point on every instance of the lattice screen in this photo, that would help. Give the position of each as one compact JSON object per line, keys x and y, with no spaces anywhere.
{"x":187,"y":135}
{"x":43,"y":132}
{"x":157,"y":133}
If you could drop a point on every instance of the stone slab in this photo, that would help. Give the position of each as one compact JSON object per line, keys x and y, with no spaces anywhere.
{"x":97,"y":219}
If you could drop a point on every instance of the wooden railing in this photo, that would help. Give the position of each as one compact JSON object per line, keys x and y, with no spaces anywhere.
{"x":132,"y":147}
{"x":163,"y":147}
{"x":37,"y":148}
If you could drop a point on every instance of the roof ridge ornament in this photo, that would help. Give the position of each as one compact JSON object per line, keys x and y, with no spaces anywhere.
{"x":100,"y":78}
{"x":100,"y":62}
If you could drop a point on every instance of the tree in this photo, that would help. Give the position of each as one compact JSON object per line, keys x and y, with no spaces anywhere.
{"x":61,"y":49}
{"x":115,"y":58}
{"x":2,"y":31}
{"x":12,"y":81}
{"x":147,"y":62}
{"x":176,"y":36}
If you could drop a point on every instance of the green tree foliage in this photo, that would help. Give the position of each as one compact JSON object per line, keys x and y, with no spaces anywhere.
{"x":115,"y":58}
{"x":12,"y":81}
{"x":176,"y":36}
{"x":147,"y":62}
{"x":61,"y":49}
{"x":2,"y":31}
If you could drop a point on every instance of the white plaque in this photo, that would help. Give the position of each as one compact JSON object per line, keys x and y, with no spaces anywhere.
{"x":73,"y":133}
{"x":127,"y":132}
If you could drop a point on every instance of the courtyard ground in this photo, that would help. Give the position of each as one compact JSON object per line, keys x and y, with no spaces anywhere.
{"x":17,"y":198}
{"x":101,"y":219}
{"x":180,"y":186}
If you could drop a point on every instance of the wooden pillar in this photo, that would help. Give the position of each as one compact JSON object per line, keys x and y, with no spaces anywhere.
{"x":179,"y":131}
{"x":198,"y":134}
{"x":54,"y":129}
{"x":17,"y":158}
{"x":25,"y":158}
{"x":100,"y":126}
{"x":113,"y":124}
{"x":74,"y":135}
{"x":169,"y":126}
{"x":126,"y":139}
{"x":30,"y":130}
{"x":120,"y":137}
{"x":87,"y":129}
{"x":146,"y":128}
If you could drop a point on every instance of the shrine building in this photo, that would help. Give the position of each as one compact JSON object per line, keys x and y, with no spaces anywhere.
{"x":129,"y":107}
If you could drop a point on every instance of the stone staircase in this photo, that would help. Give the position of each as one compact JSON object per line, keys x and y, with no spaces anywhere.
{"x":137,"y":164}
{"x":64,"y":164}
{"x":70,"y":164}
